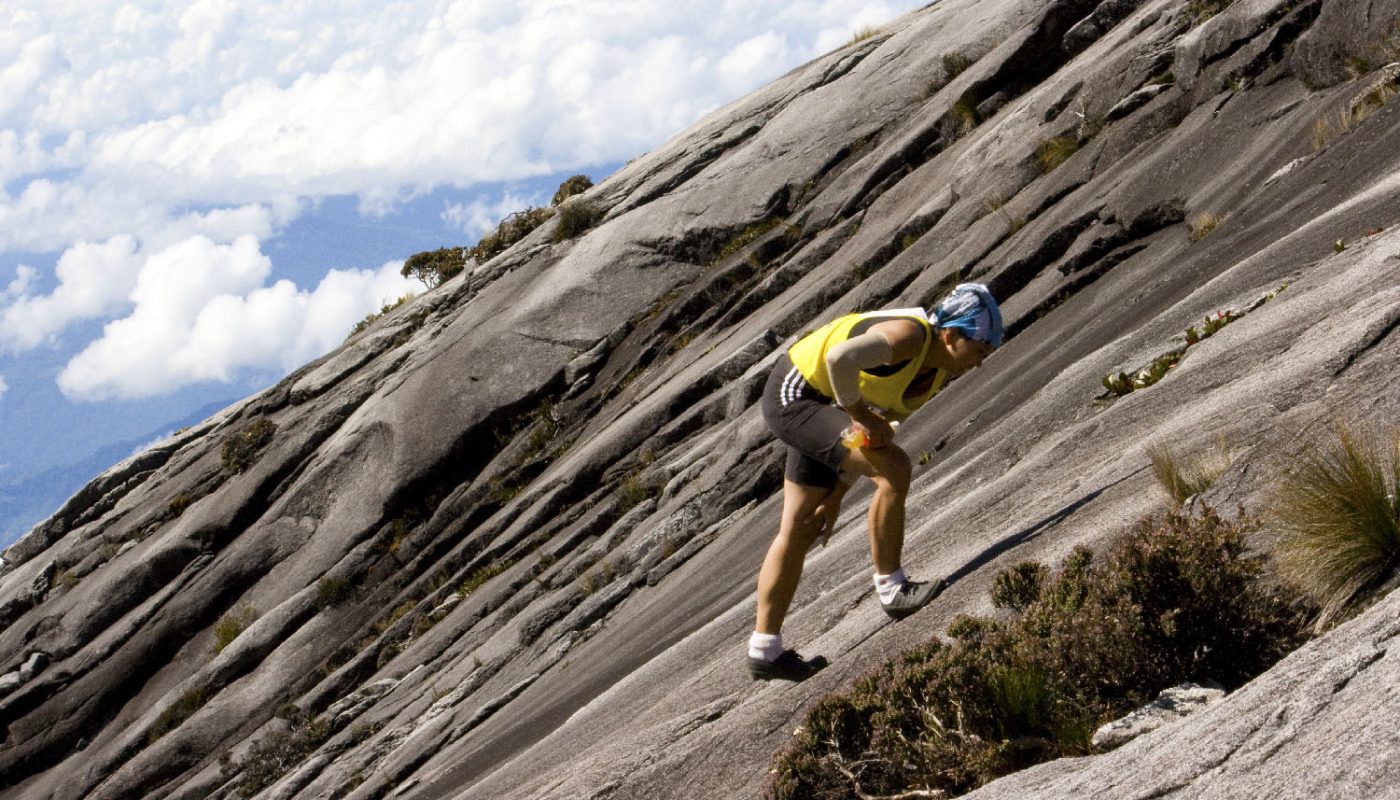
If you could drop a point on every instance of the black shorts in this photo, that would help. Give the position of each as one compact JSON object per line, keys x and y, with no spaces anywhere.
{"x":808,"y":422}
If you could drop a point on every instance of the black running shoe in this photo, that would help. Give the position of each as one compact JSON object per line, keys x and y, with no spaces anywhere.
{"x":787,"y":667}
{"x":912,"y":596}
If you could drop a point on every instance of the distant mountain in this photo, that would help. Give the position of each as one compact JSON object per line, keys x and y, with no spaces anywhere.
{"x":28,"y":500}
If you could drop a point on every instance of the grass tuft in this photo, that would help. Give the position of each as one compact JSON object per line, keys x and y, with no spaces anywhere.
{"x":1053,"y":152}
{"x":1339,"y":519}
{"x":481,"y":575}
{"x":864,"y":33}
{"x":231,"y":625}
{"x":1203,"y":224}
{"x":1183,"y":479}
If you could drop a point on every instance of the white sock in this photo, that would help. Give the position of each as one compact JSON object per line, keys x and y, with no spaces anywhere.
{"x":767,"y":646}
{"x":887,"y":586}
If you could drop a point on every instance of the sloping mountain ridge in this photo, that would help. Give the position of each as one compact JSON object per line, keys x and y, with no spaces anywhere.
{"x":583,"y":414}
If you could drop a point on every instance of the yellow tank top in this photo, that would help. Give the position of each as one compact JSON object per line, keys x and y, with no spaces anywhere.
{"x":884,"y":392}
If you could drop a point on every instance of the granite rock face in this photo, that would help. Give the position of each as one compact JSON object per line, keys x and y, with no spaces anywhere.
{"x":503,"y":544}
{"x":1173,"y":705}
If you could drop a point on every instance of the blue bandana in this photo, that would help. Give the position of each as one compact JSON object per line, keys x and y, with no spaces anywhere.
{"x":973,"y":311}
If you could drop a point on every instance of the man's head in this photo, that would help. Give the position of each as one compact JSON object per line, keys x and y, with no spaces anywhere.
{"x":971,"y":310}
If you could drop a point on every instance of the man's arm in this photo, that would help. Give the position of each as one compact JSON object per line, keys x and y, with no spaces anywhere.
{"x":884,"y":343}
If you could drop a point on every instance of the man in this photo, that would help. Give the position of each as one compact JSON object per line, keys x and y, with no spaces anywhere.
{"x":854,"y":377}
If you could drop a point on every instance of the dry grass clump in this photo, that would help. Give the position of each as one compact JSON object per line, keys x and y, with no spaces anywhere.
{"x":1053,"y":152}
{"x":864,"y":33}
{"x":1182,"y":478}
{"x":1339,"y":517}
{"x":1203,"y":224}
{"x":1175,"y":598}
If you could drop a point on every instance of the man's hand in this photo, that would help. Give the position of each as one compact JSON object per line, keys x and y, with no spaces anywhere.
{"x":825,"y":514}
{"x":877,"y":429}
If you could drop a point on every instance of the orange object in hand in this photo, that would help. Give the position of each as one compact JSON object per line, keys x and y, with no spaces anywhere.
{"x":855,"y":437}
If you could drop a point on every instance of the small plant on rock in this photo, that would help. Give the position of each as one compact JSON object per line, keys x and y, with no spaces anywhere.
{"x":433,"y":267}
{"x":231,"y":625}
{"x":864,"y":33}
{"x":511,"y":230}
{"x":1182,"y":478}
{"x":1203,"y":224}
{"x":178,"y":504}
{"x":241,"y":449}
{"x":1053,"y":152}
{"x":481,"y":575}
{"x":1339,"y":517}
{"x":575,"y":217}
{"x":955,"y":64}
{"x":574,"y":184}
{"x":332,"y":591}
{"x":374,"y":316}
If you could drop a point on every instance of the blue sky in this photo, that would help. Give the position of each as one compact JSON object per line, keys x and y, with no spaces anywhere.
{"x":198,"y":197}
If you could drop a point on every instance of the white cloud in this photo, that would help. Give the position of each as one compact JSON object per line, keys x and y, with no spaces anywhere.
{"x":221,"y":102}
{"x":202,"y":314}
{"x":94,"y":280}
{"x":4,"y":387}
{"x":135,"y":137}
{"x":481,"y":217}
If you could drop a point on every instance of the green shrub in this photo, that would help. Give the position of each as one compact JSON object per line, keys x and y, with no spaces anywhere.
{"x":231,"y":624}
{"x":604,"y":574}
{"x":633,"y":491}
{"x":1175,"y":598}
{"x":955,"y":64}
{"x":181,"y":710}
{"x":400,"y":611}
{"x":432,"y":267}
{"x":1018,"y":587}
{"x":511,"y":230}
{"x":575,"y":217}
{"x":332,"y":592}
{"x":1201,"y":10}
{"x":961,"y":119}
{"x":241,"y":448}
{"x":576,"y":184}
{"x":1339,"y":517}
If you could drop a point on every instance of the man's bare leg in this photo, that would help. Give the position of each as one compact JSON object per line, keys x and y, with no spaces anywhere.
{"x":782,"y":567}
{"x":891,"y":471}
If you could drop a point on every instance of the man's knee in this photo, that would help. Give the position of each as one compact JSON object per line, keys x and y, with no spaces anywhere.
{"x":896,"y":472}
